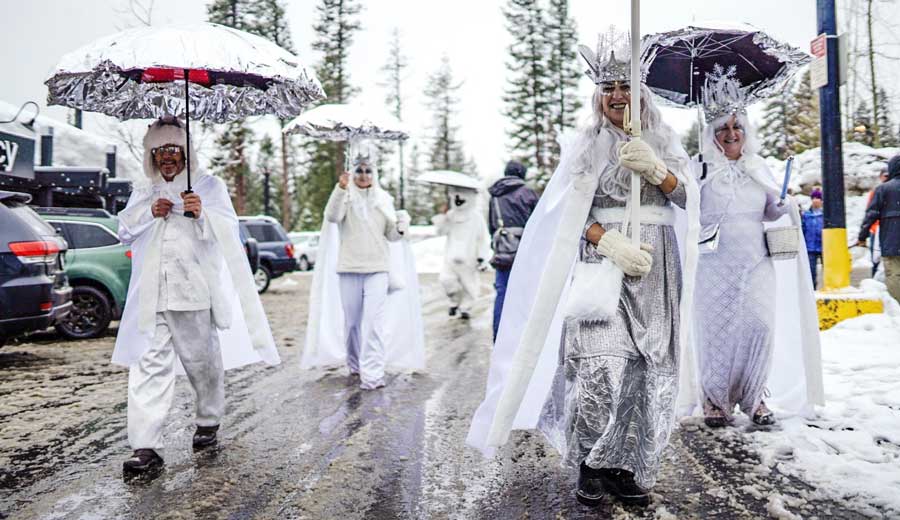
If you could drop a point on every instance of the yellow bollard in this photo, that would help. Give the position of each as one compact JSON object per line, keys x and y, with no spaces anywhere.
{"x":835,"y":259}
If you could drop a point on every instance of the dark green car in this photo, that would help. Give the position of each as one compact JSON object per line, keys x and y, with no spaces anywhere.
{"x":98,"y":266}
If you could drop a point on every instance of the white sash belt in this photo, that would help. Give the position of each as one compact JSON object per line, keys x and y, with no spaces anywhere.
{"x":659,"y":215}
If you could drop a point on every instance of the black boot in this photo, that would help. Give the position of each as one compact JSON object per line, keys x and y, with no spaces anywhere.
{"x":464,"y":315}
{"x":453,"y":311}
{"x":205,"y":436}
{"x":143,"y":460}
{"x":620,"y":483}
{"x":589,"y":491}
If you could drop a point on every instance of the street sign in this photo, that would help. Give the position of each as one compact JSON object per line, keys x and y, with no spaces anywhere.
{"x":818,"y":69}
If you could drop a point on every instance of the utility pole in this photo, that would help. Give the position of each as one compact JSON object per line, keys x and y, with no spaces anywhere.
{"x":835,"y":254}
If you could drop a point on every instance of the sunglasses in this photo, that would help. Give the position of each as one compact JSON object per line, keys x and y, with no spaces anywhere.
{"x":361,"y":171}
{"x":169,"y":149}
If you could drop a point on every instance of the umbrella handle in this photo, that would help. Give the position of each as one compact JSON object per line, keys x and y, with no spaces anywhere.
{"x":187,"y":129}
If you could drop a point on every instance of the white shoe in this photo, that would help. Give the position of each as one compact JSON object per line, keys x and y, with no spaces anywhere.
{"x":372,"y":385}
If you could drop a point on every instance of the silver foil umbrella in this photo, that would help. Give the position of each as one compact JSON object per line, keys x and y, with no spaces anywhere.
{"x":348,"y":122}
{"x":140,"y":74}
{"x":351,"y":123}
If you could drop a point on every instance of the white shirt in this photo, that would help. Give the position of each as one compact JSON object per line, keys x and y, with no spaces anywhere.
{"x":182,"y":285}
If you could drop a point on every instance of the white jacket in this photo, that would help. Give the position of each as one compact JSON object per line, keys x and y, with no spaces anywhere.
{"x":366,"y":224}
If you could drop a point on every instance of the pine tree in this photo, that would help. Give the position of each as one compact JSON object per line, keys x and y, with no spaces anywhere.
{"x":334,"y":30}
{"x":393,"y":70}
{"x":419,"y":203}
{"x":230,"y":159}
{"x":775,"y":139}
{"x":265,"y":166}
{"x":232,"y":13}
{"x":563,"y":72}
{"x":887,"y":137}
{"x":803,"y":117}
{"x":267,"y":18}
{"x":862,"y":130}
{"x":231,"y":162}
{"x":527,"y":95}
{"x":446,"y":151}
{"x":441,"y":91}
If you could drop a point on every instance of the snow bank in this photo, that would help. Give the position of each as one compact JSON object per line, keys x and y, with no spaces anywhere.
{"x":851,"y":450}
{"x":73,"y":146}
{"x":862,"y":165}
{"x":429,"y":254}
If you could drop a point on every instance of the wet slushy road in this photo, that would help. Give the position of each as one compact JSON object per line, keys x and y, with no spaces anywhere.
{"x":310,"y":444}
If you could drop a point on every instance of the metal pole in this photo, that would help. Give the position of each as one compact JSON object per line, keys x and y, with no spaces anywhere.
{"x":266,"y":196}
{"x":402,"y":187}
{"x":835,"y":255}
{"x":187,"y":130}
{"x":635,"y":129}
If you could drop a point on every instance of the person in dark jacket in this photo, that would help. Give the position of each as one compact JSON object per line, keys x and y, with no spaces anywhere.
{"x":511,"y":205}
{"x":885,"y":207}
{"x":812,"y":222}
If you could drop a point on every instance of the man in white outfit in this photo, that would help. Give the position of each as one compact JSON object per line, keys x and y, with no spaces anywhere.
{"x":190,"y":281}
{"x":367,"y":221}
{"x":468,"y":248}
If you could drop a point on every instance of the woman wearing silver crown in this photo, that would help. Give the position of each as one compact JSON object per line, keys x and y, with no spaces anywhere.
{"x":364,"y":301}
{"x":606,"y":358}
{"x":744,"y":304}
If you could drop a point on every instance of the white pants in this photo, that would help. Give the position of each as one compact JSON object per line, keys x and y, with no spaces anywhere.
{"x":461,"y":284}
{"x":363,"y":297}
{"x":192,"y":337}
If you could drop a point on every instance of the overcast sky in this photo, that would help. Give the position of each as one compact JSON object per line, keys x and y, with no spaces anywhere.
{"x":471,"y":32}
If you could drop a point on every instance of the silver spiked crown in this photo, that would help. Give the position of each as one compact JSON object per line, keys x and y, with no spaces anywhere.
{"x":723,"y":94}
{"x":603,"y":65}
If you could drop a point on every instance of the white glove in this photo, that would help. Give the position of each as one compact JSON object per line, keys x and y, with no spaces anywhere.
{"x":634,"y":261}
{"x":638,"y":157}
{"x":482,"y":265}
{"x":403,"y":220}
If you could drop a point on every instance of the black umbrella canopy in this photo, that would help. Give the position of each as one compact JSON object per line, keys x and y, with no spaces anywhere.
{"x":680,"y":60}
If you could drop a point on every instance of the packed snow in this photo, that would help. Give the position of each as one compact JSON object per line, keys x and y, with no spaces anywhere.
{"x":862,"y":165}
{"x":850,"y":449}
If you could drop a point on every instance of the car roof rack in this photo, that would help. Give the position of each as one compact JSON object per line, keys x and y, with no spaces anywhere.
{"x":74,"y":212}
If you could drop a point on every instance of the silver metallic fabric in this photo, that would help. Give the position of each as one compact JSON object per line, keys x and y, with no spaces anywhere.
{"x":735,"y":316}
{"x":248,"y":75}
{"x":346,"y":122}
{"x":613,"y":398}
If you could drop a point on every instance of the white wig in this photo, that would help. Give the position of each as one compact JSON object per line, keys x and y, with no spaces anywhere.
{"x":712,"y":151}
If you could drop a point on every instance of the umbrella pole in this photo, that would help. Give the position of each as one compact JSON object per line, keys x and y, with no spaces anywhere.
{"x":636,"y":118}
{"x":187,"y":131}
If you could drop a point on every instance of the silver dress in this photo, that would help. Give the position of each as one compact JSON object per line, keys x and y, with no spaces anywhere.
{"x":612,"y":403}
{"x":735,"y":306}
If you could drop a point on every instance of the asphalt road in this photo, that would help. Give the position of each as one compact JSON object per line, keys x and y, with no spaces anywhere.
{"x":310,"y":444}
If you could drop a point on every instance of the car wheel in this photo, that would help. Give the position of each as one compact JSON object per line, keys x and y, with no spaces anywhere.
{"x":304,"y":263}
{"x":90,"y":314}
{"x":262,"y":276}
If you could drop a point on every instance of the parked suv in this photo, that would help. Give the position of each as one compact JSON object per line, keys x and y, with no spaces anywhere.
{"x":306,"y":246}
{"x":34,"y":291}
{"x":99,"y":269}
{"x":276,"y":252}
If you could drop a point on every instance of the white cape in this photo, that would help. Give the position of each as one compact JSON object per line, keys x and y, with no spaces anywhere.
{"x":795,"y":377}
{"x":326,"y":343}
{"x":244,"y":333}
{"x":567,"y":198}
